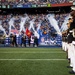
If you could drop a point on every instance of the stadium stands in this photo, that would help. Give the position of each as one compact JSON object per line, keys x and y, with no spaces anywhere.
{"x":17,"y":23}
{"x":15,"y":2}
{"x":44,"y":29}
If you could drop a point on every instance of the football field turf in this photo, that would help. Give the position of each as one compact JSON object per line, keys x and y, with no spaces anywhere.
{"x":33,"y":61}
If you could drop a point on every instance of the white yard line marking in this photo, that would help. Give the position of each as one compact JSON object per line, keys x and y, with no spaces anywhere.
{"x":31,"y":52}
{"x":32,"y":59}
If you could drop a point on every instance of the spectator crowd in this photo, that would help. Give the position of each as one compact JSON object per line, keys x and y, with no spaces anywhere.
{"x":29,"y":2}
{"x":19,"y":23}
{"x":38,"y":19}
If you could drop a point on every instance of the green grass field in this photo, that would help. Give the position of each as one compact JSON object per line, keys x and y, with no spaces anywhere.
{"x":33,"y":61}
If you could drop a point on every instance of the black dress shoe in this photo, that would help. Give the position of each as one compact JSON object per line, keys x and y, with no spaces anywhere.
{"x":68,"y":60}
{"x":72,"y":72}
{"x":69,"y":67}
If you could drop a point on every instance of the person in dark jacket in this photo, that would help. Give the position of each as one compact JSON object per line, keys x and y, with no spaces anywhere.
{"x":23,"y":40}
{"x":14,"y":42}
{"x":35,"y":41}
{"x":29,"y":40}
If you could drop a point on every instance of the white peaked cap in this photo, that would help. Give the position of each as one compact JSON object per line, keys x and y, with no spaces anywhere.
{"x":73,"y":7}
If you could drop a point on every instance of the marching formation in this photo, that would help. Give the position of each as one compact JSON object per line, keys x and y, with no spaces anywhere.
{"x":68,"y":43}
